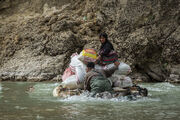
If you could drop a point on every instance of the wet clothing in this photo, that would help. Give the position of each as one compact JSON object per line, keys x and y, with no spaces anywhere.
{"x":107,"y":53}
{"x":100,"y":84}
{"x":88,"y":78}
{"x":97,"y":82}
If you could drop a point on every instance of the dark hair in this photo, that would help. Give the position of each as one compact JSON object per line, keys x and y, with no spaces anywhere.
{"x":90,"y":65}
{"x":104,"y":35}
{"x":106,"y":40}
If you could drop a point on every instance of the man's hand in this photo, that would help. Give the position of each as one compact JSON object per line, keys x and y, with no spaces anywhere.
{"x":98,"y":59}
{"x":117,"y":63}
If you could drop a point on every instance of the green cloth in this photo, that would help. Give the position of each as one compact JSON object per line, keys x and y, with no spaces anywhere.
{"x":100,"y":84}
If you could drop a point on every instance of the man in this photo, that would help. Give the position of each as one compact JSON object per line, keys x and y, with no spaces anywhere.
{"x":96,"y":81}
{"x":107,"y":54}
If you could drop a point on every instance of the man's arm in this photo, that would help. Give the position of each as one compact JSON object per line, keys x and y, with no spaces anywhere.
{"x":110,"y":71}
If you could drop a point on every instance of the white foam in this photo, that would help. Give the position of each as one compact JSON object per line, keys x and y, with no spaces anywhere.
{"x":44,"y":87}
{"x":147,"y":99}
{"x":85,"y":98}
{"x":20,"y":108}
{"x":39,"y":117}
{"x":159,"y":87}
{"x":164,"y":85}
{"x":1,"y":91}
{"x":43,"y":91}
{"x":154,"y":89}
{"x":0,"y":87}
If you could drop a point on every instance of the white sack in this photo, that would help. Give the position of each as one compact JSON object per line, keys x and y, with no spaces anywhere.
{"x":121,"y":81}
{"x":123,"y":68}
{"x":78,"y":68}
{"x":71,"y":83}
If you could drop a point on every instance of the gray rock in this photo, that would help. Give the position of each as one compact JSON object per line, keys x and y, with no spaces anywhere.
{"x":36,"y":44}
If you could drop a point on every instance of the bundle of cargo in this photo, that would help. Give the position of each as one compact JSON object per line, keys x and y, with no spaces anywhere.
{"x":134,"y":91}
{"x":60,"y":91}
{"x":73,"y":76}
{"x":123,"y":68}
{"x":88,"y":55}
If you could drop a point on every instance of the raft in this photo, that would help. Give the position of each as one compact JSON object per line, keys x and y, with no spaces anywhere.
{"x":134,"y":91}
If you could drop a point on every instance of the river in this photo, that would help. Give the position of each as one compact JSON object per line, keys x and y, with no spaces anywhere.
{"x":163,"y":103}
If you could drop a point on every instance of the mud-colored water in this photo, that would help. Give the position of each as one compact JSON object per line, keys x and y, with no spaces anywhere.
{"x":18,"y":104}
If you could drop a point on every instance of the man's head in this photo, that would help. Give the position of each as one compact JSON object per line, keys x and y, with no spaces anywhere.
{"x":103,"y":37}
{"x":90,"y":66}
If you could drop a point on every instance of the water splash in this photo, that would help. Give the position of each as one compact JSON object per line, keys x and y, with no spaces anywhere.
{"x":20,"y":108}
{"x":39,"y":102}
{"x":0,"y":87}
{"x":86,"y":98}
{"x":160,"y":87}
{"x":38,"y":117}
{"x":43,"y":91}
{"x":0,"y":91}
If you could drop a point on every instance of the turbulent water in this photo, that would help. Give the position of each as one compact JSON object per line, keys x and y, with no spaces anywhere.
{"x":16,"y":104}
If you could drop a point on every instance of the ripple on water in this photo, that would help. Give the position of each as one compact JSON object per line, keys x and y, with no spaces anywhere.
{"x":83,"y":106}
{"x":43,"y":91}
{"x":1,"y":91}
{"x":38,"y":117}
{"x":159,"y":87}
{"x":20,"y":108}
{"x":0,"y":87}
{"x":125,"y":99}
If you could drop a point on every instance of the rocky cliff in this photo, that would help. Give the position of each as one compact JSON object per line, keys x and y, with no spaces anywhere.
{"x":38,"y":37}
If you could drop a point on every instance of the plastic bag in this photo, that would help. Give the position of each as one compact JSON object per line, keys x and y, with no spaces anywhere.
{"x":78,"y":68}
{"x":75,"y":61}
{"x":80,"y":73}
{"x":123,"y":68}
{"x":88,"y":55}
{"x":121,"y":81}
{"x":73,"y":76}
{"x":67,"y":73}
{"x":71,"y":83}
{"x":99,"y":67}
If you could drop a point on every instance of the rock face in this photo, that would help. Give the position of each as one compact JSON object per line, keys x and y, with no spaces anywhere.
{"x":36,"y":42}
{"x":174,"y":76}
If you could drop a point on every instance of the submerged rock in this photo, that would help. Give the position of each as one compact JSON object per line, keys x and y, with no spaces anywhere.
{"x":174,"y":76}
